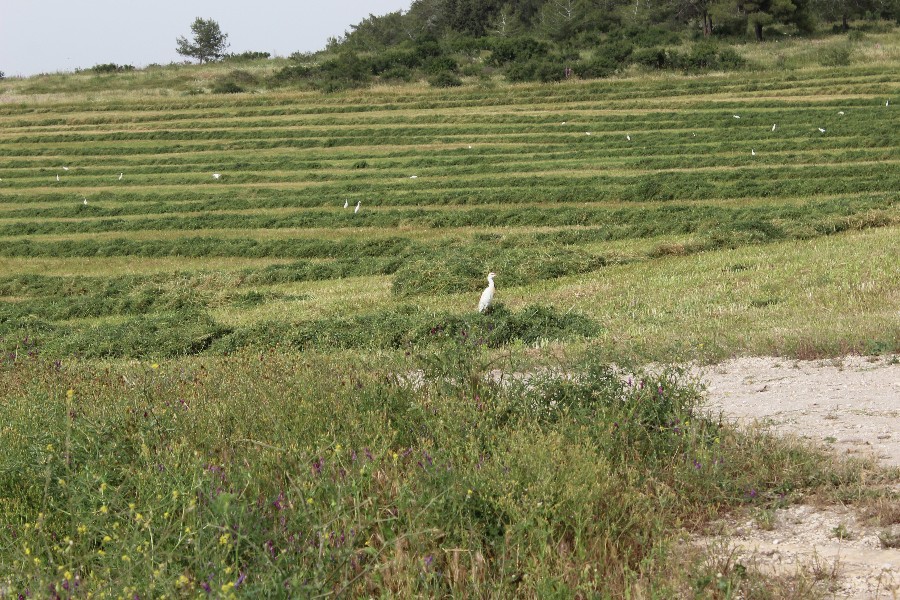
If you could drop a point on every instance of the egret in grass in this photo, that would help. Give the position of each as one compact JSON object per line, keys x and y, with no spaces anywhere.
{"x":216,"y":175}
{"x":65,"y":168}
{"x":840,"y":112}
{"x":773,"y":126}
{"x":587,"y":133}
{"x":822,"y":130}
{"x":356,"y":210}
{"x":487,"y":296}
{"x":413,"y":176}
{"x":121,"y":175}
{"x":628,"y":137}
{"x":346,"y":203}
{"x":752,"y":152}
{"x":57,"y":176}
{"x":737,"y":116}
{"x":84,"y":200}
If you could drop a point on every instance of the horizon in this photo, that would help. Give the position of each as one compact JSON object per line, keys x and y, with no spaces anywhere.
{"x":84,"y":36}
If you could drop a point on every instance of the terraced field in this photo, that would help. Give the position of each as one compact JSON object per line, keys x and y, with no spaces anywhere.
{"x":699,"y":217}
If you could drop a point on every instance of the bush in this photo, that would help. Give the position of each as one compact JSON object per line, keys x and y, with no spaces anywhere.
{"x":516,"y":49}
{"x":440,"y":64}
{"x":112,"y":68}
{"x":227,"y":87}
{"x":444,"y":79}
{"x":836,"y":55}
{"x":654,"y":58}
{"x":248,"y":55}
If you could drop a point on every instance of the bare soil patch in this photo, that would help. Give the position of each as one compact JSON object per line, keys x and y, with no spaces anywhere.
{"x":851,"y":405}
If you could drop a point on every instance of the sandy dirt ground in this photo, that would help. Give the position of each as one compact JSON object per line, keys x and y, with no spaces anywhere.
{"x":851,"y":405}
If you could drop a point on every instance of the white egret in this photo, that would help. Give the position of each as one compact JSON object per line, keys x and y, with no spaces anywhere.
{"x":57,"y":176}
{"x":752,"y":152}
{"x":216,"y":175}
{"x":737,"y":116}
{"x":120,"y":176}
{"x":488,"y":294}
{"x":822,"y":130}
{"x":356,"y":210}
{"x":84,"y":200}
{"x":587,"y":133}
{"x":413,"y":176}
{"x":563,"y":123}
{"x":773,"y":126}
{"x":470,"y":146}
{"x":65,"y":168}
{"x":346,"y":203}
{"x":628,"y":137}
{"x":840,"y":112}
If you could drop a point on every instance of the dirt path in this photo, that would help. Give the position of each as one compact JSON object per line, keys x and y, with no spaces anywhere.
{"x":850,"y":404}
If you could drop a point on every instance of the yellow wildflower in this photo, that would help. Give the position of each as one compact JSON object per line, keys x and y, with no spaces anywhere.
{"x":67,"y":575}
{"x":104,"y":509}
{"x":224,"y":538}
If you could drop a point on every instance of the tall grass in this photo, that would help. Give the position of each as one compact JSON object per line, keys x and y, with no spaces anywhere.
{"x":268,"y":474}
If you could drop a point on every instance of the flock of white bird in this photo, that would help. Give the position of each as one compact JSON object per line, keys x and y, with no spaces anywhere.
{"x":487,"y":296}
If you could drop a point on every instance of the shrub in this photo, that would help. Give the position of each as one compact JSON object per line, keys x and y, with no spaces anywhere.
{"x":836,"y":55}
{"x":440,"y":64}
{"x":227,"y":87}
{"x":505,"y":50}
{"x":248,"y":55}
{"x":444,"y":79}
{"x":111,"y":68}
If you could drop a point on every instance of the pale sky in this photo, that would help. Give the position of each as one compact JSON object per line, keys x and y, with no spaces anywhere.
{"x":45,"y":36}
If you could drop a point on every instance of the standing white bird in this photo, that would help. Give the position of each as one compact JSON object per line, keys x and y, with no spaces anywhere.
{"x":356,"y":210}
{"x":737,"y":116}
{"x":346,"y":203}
{"x":120,"y":176}
{"x":628,"y":137}
{"x":488,"y":294}
{"x":822,"y":130}
{"x":840,"y":112}
{"x":57,"y":176}
{"x":752,"y":152}
{"x":216,"y":175}
{"x":773,"y":126}
{"x":84,"y":200}
{"x":65,"y":168}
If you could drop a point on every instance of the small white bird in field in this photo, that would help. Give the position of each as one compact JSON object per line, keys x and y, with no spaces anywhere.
{"x":413,"y":176}
{"x":563,"y":123}
{"x":840,"y":112}
{"x":57,"y":176}
{"x":216,"y":175}
{"x":752,"y":152}
{"x":470,"y":147}
{"x":628,"y":137}
{"x":488,"y":294}
{"x":773,"y":126}
{"x":737,"y":116}
{"x":121,"y":175}
{"x":346,"y":203}
{"x":84,"y":200}
{"x":587,"y":133}
{"x":356,"y":210}
{"x":822,"y":130}
{"x":65,"y":168}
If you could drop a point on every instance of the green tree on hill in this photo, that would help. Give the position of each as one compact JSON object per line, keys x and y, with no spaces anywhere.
{"x":208,"y":43}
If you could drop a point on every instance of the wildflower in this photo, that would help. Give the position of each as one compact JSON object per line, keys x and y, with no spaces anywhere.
{"x":102,"y":487}
{"x":49,"y":447}
{"x":428,"y":560}
{"x":61,"y":482}
{"x":69,"y":393}
{"x":166,"y":515}
{"x":227,"y":586}
{"x":337,"y":448}
{"x":175,"y":494}
{"x":67,"y":575}
{"x":104,"y":509}
{"x":154,"y":366}
{"x":131,"y":505}
{"x":182,"y":580}
{"x":126,"y":558}
{"x":228,"y":570}
{"x":309,"y":500}
{"x":469,"y":494}
{"x":138,"y":517}
{"x":101,"y":552}
{"x":224,"y":538}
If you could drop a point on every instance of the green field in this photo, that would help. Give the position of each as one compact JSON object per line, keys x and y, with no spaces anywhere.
{"x":308,"y":412}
